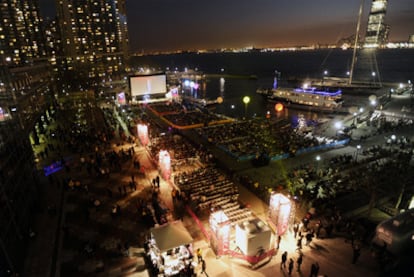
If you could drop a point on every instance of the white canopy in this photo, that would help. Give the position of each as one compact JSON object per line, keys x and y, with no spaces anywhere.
{"x":171,"y":235}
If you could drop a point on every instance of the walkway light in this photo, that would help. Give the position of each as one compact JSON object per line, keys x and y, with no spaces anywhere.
{"x":246,"y":101}
{"x":279,"y":107}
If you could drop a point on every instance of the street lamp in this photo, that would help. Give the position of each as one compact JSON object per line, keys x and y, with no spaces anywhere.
{"x":325,"y":73}
{"x":393,"y":138}
{"x":338,"y":126}
{"x":318,"y":159}
{"x":246,"y":101}
{"x":353,"y":121}
{"x":358,"y":149}
{"x":373,"y":76}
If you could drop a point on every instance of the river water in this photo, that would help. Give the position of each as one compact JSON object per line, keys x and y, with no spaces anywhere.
{"x":233,"y":76}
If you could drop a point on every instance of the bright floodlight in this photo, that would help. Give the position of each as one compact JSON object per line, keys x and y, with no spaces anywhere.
{"x":378,"y":5}
{"x":338,"y":125}
{"x":318,"y":158}
{"x":246,"y":100}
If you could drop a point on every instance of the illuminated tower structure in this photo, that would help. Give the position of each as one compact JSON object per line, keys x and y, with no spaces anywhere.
{"x":93,"y":36}
{"x":21,"y":35}
{"x":377,"y":31}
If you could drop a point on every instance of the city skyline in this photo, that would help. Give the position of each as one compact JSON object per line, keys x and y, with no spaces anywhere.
{"x":164,"y":25}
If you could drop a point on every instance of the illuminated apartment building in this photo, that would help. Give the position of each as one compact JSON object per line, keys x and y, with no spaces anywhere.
{"x":24,"y":89}
{"x":21,"y":36}
{"x":93,"y":37}
{"x":377,"y":31}
{"x":19,"y":181}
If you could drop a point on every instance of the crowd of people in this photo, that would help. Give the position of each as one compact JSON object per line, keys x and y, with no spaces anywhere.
{"x":184,"y":116}
{"x":203,"y":188}
{"x":248,"y":138}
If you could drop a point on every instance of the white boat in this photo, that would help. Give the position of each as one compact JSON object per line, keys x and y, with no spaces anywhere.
{"x":313,"y":97}
{"x":200,"y":102}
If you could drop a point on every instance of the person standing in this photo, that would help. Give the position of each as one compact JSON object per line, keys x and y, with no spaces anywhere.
{"x":279,"y":238}
{"x":299,"y":243}
{"x":290,"y":266}
{"x":199,"y":255}
{"x":295,"y":229}
{"x":356,"y":254}
{"x":309,"y":237}
{"x":313,"y":270}
{"x":284,"y":259}
{"x":352,"y":237}
{"x":316,"y":269}
{"x":318,"y":228}
{"x":299,"y":262}
{"x":203,"y":266}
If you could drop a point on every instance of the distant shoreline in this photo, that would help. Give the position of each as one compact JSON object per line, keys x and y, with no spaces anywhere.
{"x":235,"y":76}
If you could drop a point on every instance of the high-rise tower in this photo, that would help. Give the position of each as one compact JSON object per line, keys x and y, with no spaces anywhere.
{"x":377,"y":31}
{"x":21,"y":36}
{"x":93,"y":36}
{"x":24,"y":87}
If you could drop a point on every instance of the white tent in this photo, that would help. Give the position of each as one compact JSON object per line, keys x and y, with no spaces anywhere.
{"x":171,"y":235}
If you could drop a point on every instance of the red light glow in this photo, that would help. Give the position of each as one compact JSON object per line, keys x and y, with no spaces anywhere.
{"x":143,"y":134}
{"x":280,"y":209}
{"x":164,"y":162}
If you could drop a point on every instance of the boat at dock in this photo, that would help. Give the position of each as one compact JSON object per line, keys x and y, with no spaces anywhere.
{"x":314,"y":98}
{"x":199,"y":102}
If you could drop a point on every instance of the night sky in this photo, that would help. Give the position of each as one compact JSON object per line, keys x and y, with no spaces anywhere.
{"x":163,"y":25}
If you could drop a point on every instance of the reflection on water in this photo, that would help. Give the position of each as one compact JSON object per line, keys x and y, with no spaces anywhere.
{"x":233,"y":89}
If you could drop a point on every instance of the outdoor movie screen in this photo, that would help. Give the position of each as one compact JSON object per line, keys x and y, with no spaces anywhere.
{"x":148,"y":84}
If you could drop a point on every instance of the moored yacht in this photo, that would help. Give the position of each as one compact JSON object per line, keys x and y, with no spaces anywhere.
{"x":314,"y":97}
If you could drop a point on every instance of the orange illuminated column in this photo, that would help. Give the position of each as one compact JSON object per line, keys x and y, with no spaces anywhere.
{"x":220,"y":232}
{"x":164,"y":162}
{"x":280,"y":210}
{"x":143,"y":134}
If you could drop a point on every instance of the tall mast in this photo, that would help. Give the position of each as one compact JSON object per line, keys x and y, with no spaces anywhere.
{"x":351,"y":72}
